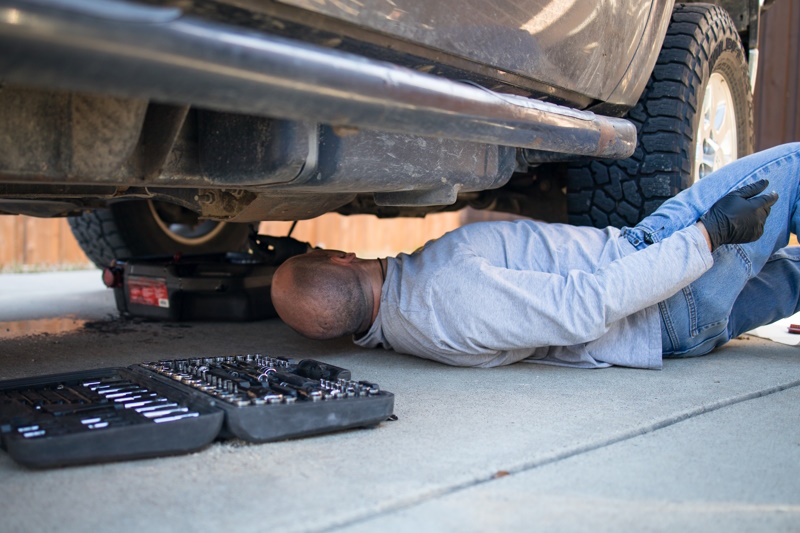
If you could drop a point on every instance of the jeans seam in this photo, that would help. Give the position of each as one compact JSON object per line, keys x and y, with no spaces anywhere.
{"x":692,"y":307}
{"x":791,"y":155}
{"x":711,"y":325}
{"x":695,"y":346}
{"x":743,"y":256}
{"x":783,"y":258}
{"x":673,"y":336}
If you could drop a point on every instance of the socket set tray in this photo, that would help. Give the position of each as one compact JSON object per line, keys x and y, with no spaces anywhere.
{"x":179,"y":406}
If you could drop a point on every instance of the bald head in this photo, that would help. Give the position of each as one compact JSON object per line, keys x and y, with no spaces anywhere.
{"x":322,"y":295}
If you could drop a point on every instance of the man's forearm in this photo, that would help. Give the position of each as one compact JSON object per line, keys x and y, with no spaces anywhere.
{"x":649,"y":276}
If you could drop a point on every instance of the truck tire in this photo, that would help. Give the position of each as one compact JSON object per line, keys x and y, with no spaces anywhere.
{"x":694,"y":116}
{"x":144,"y":227}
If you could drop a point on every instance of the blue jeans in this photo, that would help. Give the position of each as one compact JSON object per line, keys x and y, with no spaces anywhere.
{"x":750,"y":284}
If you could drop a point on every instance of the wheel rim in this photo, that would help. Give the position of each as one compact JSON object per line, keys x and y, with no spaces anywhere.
{"x":717,"y":142}
{"x":187,"y":234}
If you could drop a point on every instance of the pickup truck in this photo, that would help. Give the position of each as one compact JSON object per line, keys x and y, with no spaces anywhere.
{"x":166,"y":125}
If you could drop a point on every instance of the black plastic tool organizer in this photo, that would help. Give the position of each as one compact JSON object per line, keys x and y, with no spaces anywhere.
{"x":179,"y":406}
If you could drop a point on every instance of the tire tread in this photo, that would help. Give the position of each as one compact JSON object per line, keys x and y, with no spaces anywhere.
{"x":659,"y":168}
{"x":98,"y":236}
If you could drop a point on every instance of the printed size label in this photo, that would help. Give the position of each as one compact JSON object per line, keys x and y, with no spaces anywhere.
{"x":148,"y":291}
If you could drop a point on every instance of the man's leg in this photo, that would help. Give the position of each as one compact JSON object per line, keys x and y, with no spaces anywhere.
{"x":696,"y":320}
{"x":686,"y":208}
{"x":770,"y":296}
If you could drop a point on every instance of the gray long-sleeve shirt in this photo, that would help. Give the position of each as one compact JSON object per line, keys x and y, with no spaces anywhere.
{"x":496,"y":293}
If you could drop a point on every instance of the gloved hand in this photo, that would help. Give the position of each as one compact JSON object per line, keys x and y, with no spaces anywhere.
{"x":738,"y":217}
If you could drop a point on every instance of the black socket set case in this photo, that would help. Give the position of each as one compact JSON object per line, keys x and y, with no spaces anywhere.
{"x":179,"y":406}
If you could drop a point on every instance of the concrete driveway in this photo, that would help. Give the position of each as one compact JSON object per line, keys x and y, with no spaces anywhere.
{"x":711,"y":443}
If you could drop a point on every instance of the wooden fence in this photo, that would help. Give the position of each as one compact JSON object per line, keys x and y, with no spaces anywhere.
{"x":37,"y":242}
{"x":30,"y":241}
{"x":777,"y":95}
{"x":34,"y":243}
{"x":367,"y":235}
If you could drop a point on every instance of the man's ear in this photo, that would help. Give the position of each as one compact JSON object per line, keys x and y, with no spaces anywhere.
{"x":345,"y":259}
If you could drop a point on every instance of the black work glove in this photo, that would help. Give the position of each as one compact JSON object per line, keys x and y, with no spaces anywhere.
{"x":738,"y":217}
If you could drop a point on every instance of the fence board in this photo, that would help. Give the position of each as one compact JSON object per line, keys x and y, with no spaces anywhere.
{"x":8,"y":240}
{"x":41,"y":241}
{"x":777,"y":111}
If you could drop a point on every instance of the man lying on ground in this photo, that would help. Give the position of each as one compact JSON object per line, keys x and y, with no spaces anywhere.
{"x":708,"y":265}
